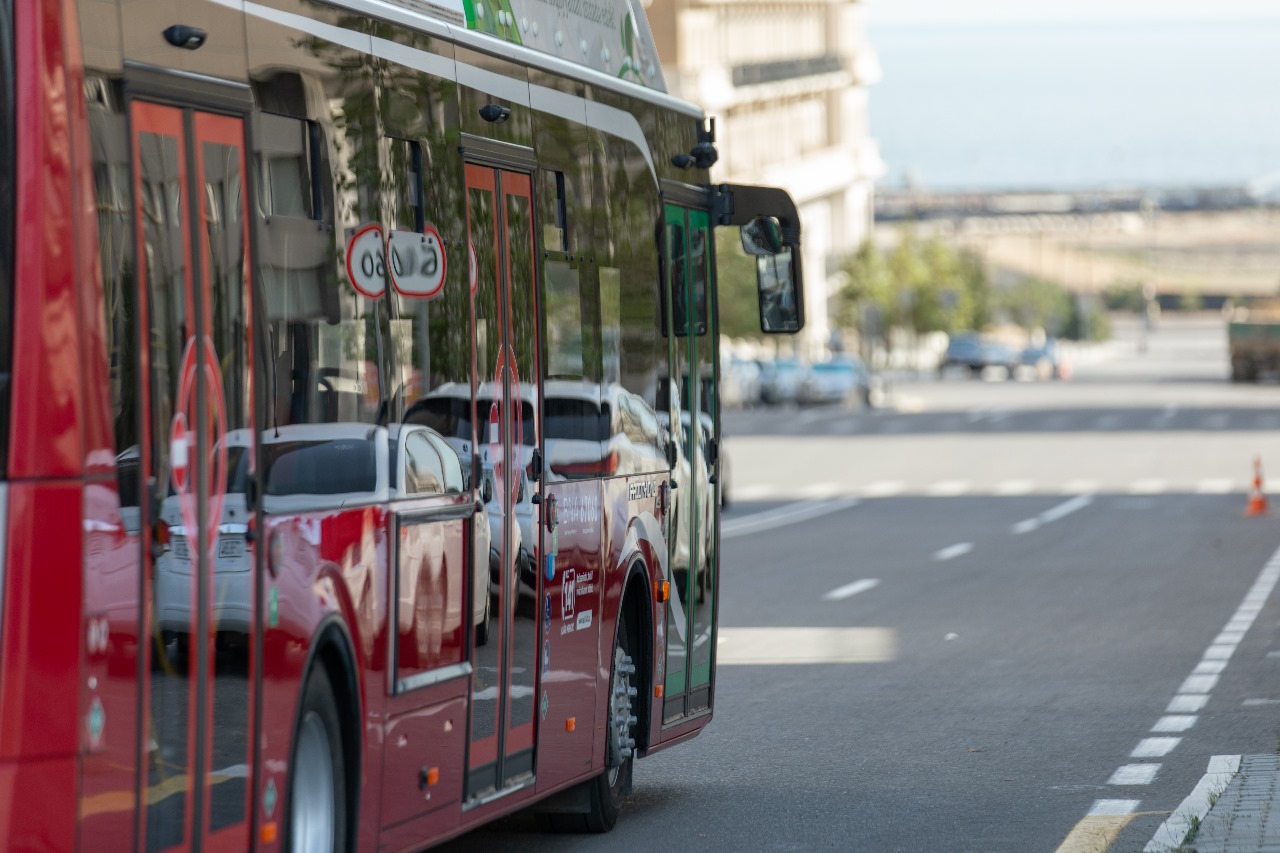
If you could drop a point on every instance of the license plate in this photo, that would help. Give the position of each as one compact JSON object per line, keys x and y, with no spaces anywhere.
{"x":231,"y":546}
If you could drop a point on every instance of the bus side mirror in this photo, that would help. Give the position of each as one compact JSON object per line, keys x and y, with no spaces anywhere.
{"x":770,"y":233}
{"x":781,"y":302}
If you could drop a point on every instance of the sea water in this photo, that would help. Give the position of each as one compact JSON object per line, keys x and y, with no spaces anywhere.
{"x":1068,"y":105}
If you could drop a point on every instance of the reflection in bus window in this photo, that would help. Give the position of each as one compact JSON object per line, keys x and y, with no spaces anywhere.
{"x":320,"y":467}
{"x":423,"y":466}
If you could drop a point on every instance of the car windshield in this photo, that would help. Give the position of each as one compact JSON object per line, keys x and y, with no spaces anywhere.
{"x":573,"y":419}
{"x":327,"y":467}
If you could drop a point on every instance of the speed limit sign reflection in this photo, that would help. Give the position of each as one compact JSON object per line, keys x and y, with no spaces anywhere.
{"x":366,"y":261}
{"x":417,"y":263}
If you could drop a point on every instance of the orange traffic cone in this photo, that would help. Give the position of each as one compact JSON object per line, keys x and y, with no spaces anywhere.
{"x":1257,"y":498}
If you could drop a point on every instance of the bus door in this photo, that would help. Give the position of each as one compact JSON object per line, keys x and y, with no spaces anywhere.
{"x":505,"y":376}
{"x":196,"y":443}
{"x":690,"y":624}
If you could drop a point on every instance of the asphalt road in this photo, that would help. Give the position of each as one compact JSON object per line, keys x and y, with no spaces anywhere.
{"x":1021,"y":601}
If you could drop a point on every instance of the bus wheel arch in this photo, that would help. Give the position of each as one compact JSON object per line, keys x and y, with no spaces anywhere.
{"x":325,"y":747}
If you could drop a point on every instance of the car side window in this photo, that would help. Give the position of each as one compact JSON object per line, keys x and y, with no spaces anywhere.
{"x":423,"y":467}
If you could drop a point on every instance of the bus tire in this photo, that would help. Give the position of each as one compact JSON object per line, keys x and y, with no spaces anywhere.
{"x":317,"y":797}
{"x":610,"y":788}
{"x":605,"y":793}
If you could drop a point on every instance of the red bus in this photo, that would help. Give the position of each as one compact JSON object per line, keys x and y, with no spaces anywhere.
{"x":358,"y":417}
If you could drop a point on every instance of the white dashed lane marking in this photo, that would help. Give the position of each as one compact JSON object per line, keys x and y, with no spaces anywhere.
{"x":1134,"y":774}
{"x":1109,"y":808}
{"x":1174,"y":723}
{"x":953,"y":551}
{"x":1155,"y":747}
{"x":1215,"y":487}
{"x":1052,"y":514}
{"x":885,"y":488}
{"x":1185,"y":705}
{"x":851,"y":589}
{"x":1015,"y":487}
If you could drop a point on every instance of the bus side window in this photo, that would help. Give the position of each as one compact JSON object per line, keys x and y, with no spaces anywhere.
{"x":321,"y":334}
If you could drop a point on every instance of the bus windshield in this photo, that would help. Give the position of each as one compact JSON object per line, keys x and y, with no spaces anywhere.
{"x":6,"y":222}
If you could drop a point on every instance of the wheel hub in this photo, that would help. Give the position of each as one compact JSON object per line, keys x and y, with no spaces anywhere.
{"x":621,"y":721}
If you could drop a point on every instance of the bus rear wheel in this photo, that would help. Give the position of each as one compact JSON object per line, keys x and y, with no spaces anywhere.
{"x":606,"y":792}
{"x":317,"y":799}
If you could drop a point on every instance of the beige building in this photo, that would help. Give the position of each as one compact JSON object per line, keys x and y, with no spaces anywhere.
{"x":787,"y":83}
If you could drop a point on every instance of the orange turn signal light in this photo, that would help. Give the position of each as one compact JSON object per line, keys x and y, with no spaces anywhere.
{"x":269,"y":833}
{"x":657,"y":691}
{"x":571,"y":724}
{"x":662,"y":590}
{"x":433,"y":776}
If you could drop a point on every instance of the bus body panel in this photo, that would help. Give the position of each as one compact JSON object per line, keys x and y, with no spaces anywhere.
{"x":40,"y":648}
{"x":46,"y":429}
{"x":39,"y":798}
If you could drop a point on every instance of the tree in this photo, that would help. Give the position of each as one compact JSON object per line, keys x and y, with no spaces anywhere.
{"x":926,"y":286}
{"x":1034,"y":303}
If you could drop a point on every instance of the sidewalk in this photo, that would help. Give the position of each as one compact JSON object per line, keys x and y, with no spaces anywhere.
{"x":1243,"y":817}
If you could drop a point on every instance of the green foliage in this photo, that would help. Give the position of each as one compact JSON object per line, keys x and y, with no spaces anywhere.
{"x":1034,"y":303}
{"x":736,"y":286}
{"x":1125,"y":296}
{"x":925,"y":285}
{"x":1087,"y":320}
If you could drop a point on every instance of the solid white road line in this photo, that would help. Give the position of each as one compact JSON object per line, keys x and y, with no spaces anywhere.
{"x":1155,"y":747}
{"x":851,"y":589}
{"x":1134,"y":774}
{"x":1052,"y":514}
{"x":783,"y":516}
{"x":1172,"y":832}
{"x":1255,"y":703}
{"x":953,"y":551}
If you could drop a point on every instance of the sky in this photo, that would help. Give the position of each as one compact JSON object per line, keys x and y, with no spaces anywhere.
{"x":947,"y":12}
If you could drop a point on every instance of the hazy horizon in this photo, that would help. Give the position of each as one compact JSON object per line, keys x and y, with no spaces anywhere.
{"x":931,"y":13}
